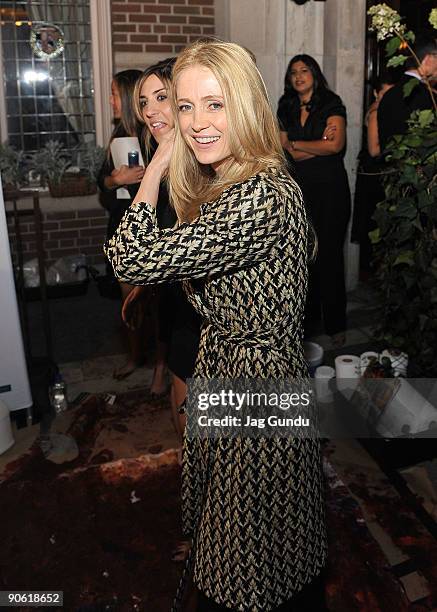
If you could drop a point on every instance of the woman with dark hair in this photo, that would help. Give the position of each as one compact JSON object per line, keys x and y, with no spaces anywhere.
{"x":118,"y":186}
{"x":179,"y":324}
{"x":369,"y":189}
{"x":313,"y":131}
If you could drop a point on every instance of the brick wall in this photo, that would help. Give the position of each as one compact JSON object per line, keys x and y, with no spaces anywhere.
{"x":65,"y":233}
{"x":160,"y":26}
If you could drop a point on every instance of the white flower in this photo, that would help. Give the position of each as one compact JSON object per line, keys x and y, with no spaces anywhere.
{"x":433,"y":18}
{"x":385,"y":21}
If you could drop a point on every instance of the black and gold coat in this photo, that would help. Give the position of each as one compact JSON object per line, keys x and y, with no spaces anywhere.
{"x":253,"y":506}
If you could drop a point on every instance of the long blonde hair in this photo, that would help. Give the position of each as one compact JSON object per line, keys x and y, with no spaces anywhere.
{"x":253,"y":133}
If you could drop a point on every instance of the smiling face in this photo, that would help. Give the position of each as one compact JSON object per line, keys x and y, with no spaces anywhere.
{"x":202,"y":116}
{"x":115,"y":100}
{"x":155,"y":107}
{"x":301,"y":79}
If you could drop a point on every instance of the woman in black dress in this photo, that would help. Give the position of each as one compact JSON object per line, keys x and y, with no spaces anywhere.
{"x":118,"y":186}
{"x":178,"y":322}
{"x":313,"y":131}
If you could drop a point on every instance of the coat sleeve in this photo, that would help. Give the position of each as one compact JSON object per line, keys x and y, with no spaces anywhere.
{"x":236,"y":231}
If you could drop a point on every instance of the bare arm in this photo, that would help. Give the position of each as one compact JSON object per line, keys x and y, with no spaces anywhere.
{"x":328,"y":146}
{"x":123,"y":176}
{"x":287,"y":145}
{"x":155,"y":172}
{"x":372,"y":131}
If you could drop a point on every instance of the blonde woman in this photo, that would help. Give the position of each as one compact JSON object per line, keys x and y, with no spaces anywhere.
{"x":253,"y":507}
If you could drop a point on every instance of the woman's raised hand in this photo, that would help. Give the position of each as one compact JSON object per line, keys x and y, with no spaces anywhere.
{"x":164,"y":151}
{"x":128,"y":176}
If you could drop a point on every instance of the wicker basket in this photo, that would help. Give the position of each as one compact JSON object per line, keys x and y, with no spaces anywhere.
{"x":72,"y":185}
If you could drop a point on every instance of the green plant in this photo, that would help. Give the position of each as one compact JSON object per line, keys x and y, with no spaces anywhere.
{"x":13,"y":166}
{"x":92,"y":161}
{"x":405,"y":240}
{"x":405,"y":243}
{"x":51,"y":163}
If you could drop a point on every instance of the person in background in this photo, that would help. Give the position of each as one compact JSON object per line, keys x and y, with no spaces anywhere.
{"x":368,"y":189}
{"x":395,"y":108}
{"x":110,"y":181}
{"x":312,"y":121}
{"x":178,"y":322}
{"x":253,"y":506}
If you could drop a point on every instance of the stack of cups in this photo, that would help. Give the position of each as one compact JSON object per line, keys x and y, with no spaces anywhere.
{"x":322,"y":376}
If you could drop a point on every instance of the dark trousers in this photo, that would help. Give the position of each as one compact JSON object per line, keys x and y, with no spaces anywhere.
{"x":310,"y":599}
{"x":328,"y":205}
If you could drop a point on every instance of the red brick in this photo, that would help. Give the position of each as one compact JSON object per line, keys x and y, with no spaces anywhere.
{"x":159,"y":28}
{"x":96,"y":240}
{"x":171,"y":1}
{"x":60,"y":215}
{"x":187,"y":10}
{"x":208,"y":31}
{"x":174,"y":39}
{"x":51,"y":244}
{"x":118,"y":17}
{"x":201,"y":2}
{"x":143,"y":18}
{"x":146,"y":28}
{"x":66,"y":243}
{"x":172,"y":19}
{"x":83,"y":241}
{"x":192,"y":30}
{"x":207,"y":10}
{"x":159,"y":49}
{"x":152,"y":8}
{"x":126,"y":28}
{"x":195,"y":19}
{"x":75,"y":223}
{"x":92,"y":231}
{"x":58,"y":253}
{"x":98,"y":222}
{"x":65,"y":234}
{"x":127,"y":8}
{"x":128,"y":48}
{"x":143,"y":38}
{"x":92,"y":212}
{"x":117,"y":38}
{"x":175,"y":29}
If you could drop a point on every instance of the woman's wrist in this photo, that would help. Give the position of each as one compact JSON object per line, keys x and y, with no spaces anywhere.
{"x":111,"y":183}
{"x":156,"y":167}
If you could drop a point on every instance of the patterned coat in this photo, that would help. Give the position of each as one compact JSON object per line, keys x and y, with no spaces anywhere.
{"x":253,"y":506}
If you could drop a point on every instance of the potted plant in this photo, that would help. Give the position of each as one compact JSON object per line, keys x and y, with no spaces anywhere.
{"x":405,"y":238}
{"x":51,"y":164}
{"x":54,"y":166}
{"x":13,"y":167}
{"x":91,"y":162}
